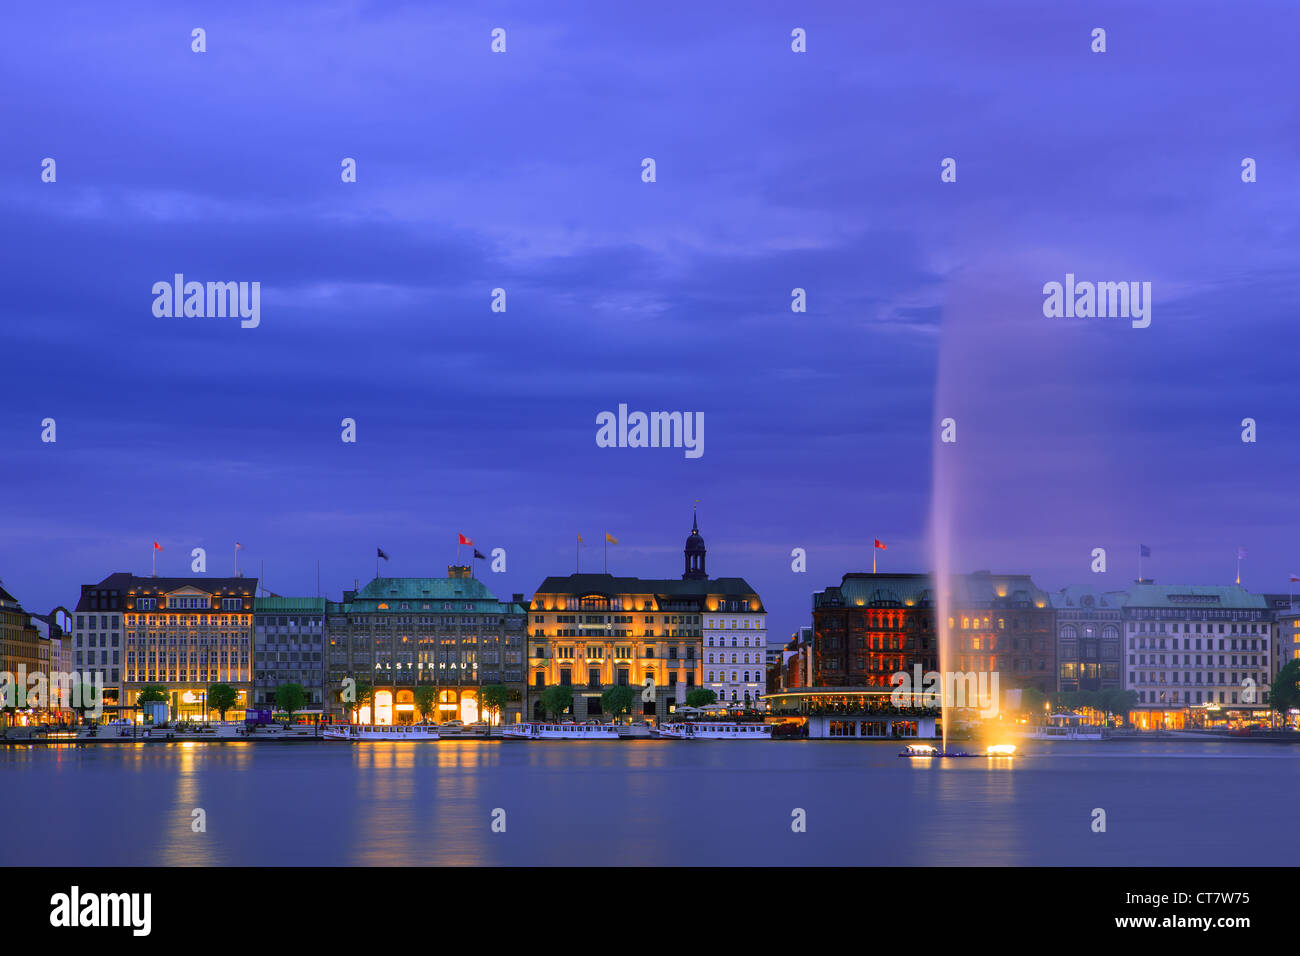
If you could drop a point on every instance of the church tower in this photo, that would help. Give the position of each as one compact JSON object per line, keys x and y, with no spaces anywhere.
{"x":695,"y":552}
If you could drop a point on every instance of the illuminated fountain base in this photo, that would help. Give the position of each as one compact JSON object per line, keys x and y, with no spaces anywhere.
{"x":925,"y":751}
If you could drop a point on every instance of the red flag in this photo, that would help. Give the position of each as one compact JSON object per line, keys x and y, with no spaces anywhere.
{"x":464,"y":540}
{"x":880,"y":544}
{"x":157,"y":546}
{"x":1295,"y":578}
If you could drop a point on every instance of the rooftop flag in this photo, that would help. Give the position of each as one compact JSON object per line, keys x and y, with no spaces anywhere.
{"x":1144,"y":551}
{"x":379,"y":553}
{"x":464,"y":540}
{"x":880,"y":544}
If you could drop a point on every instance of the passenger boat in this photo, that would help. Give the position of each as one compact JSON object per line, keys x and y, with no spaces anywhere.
{"x":364,"y":733}
{"x":535,"y":730}
{"x":1066,"y":727}
{"x":926,"y":750}
{"x":716,"y":730}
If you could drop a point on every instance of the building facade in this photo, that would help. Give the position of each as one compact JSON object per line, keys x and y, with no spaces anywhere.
{"x":289,"y":648}
{"x":451,"y":633}
{"x":184,"y":634}
{"x":21,"y":651}
{"x":97,"y":637}
{"x":1003,"y":624}
{"x":865,"y":630}
{"x":662,"y":636}
{"x":1196,"y":654}
{"x":1089,"y":638}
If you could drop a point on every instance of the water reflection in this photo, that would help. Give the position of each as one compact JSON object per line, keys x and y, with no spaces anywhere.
{"x":637,"y":803}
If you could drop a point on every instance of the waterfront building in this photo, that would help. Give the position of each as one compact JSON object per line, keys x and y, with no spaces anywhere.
{"x":1089,"y":642}
{"x":1196,"y":655}
{"x":590,"y":631}
{"x":184,"y":633}
{"x":848,"y":713}
{"x":97,"y":637}
{"x":21,"y":645}
{"x":865,"y":630}
{"x":796,"y":661}
{"x":1003,"y":624}
{"x":1283,"y":612}
{"x":289,"y":648}
{"x":56,"y":629}
{"x":449,"y":633}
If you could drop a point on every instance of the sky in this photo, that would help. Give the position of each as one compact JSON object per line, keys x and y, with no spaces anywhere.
{"x":522,"y":170}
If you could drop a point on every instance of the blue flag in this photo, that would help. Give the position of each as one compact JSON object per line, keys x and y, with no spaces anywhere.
{"x":1144,"y":550}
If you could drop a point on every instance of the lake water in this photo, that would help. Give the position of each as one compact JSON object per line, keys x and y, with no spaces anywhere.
{"x":646,"y":803}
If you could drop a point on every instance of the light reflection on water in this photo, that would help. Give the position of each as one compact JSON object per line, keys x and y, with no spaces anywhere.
{"x":643,"y":803}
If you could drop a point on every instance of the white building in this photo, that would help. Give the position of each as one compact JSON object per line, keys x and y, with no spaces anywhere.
{"x":735,"y":651}
{"x":1189,"y":648}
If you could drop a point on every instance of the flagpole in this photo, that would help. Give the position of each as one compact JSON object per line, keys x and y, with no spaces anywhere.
{"x":607,"y":552}
{"x":1139,"y":564}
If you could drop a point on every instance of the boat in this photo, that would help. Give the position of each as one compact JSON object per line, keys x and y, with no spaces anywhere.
{"x":919,"y":750}
{"x":926,"y":750}
{"x":537,"y":730}
{"x":715,"y":730}
{"x":364,"y":733}
{"x":1066,"y":727}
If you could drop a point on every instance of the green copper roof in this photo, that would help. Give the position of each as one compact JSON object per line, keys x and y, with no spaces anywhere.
{"x":1193,"y":595}
{"x":419,"y":591}
{"x":285,"y":604}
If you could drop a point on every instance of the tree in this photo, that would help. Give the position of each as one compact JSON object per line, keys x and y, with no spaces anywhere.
{"x":1032,"y":700}
{"x":701,"y":697}
{"x":152,"y":694}
{"x":617,"y":699}
{"x":426,"y":700}
{"x":1116,"y":700}
{"x":493,"y":697}
{"x":361,"y":695}
{"x":85,"y":698}
{"x":222,"y":697}
{"x":290,"y":698}
{"x":557,"y":698}
{"x":1285,"y":693}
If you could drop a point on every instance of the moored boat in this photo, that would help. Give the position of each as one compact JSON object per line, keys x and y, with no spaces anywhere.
{"x":1066,"y":727}
{"x":539,"y":730}
{"x":715,"y":730}
{"x":364,"y":733}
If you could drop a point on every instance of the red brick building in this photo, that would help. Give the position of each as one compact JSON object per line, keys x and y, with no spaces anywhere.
{"x":871,"y":627}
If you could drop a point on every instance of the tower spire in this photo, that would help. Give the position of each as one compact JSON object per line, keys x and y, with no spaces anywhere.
{"x":694,"y":551}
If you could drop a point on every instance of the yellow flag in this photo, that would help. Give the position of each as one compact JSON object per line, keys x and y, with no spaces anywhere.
{"x":610,"y":538}
{"x":580,"y":541}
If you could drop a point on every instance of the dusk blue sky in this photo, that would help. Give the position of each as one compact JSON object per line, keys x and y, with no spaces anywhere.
{"x":775,"y":170}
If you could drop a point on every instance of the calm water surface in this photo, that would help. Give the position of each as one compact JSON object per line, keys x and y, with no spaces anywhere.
{"x":649,"y":802}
